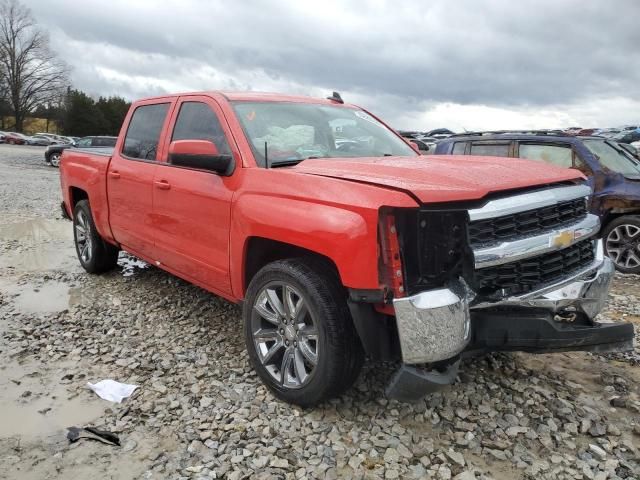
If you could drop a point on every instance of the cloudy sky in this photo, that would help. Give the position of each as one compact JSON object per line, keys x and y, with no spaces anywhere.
{"x":460,"y":64}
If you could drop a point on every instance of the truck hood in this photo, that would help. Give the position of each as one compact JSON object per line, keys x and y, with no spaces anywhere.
{"x":441,"y":178}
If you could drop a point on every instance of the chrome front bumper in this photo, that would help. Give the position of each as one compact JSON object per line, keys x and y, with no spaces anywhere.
{"x":435,"y":325}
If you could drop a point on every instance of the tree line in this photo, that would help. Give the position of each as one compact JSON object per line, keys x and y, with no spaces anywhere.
{"x":34,"y":82}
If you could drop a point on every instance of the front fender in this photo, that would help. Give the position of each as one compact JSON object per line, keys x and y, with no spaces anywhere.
{"x":346,"y":236}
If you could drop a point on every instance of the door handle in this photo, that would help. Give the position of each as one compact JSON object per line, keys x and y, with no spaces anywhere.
{"x":114,"y":174}
{"x":163,"y":185}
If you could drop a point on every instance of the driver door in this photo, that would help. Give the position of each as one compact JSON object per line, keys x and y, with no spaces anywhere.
{"x":192,"y":208}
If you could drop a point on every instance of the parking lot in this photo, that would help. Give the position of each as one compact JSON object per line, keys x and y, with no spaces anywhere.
{"x":201,"y":412}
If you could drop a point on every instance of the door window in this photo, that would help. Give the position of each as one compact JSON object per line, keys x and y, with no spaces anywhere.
{"x":458,"y":148}
{"x":144,"y":130}
{"x":197,"y":121}
{"x":559,"y":155}
{"x":84,"y":142}
{"x":490,"y":149}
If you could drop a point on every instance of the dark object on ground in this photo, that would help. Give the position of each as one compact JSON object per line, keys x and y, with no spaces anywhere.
{"x":91,"y":433}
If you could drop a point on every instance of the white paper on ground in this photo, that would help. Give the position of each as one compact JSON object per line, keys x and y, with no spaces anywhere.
{"x":112,"y":390}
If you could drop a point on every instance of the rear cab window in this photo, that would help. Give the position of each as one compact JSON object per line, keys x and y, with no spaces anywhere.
{"x":143,"y":133}
{"x":104,"y":142}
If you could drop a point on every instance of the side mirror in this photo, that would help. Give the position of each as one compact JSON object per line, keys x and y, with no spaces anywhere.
{"x":415,"y":146}
{"x":200,"y":154}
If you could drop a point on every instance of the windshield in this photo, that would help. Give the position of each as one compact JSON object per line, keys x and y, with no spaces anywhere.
{"x":292,"y":132}
{"x":613,"y":158}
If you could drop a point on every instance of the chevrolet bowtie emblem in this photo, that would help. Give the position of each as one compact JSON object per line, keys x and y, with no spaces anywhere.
{"x":563,"y":239}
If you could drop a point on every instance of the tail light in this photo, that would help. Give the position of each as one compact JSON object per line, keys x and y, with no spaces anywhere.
{"x":390,"y":260}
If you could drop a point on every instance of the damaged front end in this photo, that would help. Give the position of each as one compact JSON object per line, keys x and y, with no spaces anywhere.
{"x":521,"y":272}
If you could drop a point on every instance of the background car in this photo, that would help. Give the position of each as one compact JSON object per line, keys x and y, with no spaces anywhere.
{"x":612,"y":172}
{"x":629,"y":135}
{"x":53,"y":153}
{"x":15,"y":138}
{"x":40,"y":140}
{"x":2,"y":136}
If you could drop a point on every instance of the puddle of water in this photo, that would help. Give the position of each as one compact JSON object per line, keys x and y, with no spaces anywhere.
{"x":37,"y":230}
{"x":37,"y":408}
{"x":46,"y":298}
{"x":48,"y":256}
{"x":44,"y":245}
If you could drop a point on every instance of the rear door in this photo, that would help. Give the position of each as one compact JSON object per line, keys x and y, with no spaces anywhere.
{"x":130,"y":179}
{"x":192,"y":208}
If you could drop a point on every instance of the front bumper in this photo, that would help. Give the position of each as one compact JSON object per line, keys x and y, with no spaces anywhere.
{"x":438,"y":325}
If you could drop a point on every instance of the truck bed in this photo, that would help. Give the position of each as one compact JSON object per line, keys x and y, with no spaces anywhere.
{"x":86,"y":170}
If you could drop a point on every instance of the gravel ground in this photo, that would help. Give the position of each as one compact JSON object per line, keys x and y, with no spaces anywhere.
{"x":200,"y":411}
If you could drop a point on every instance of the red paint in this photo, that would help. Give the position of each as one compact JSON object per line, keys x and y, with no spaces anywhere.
{"x":193,"y":147}
{"x":198,"y":224}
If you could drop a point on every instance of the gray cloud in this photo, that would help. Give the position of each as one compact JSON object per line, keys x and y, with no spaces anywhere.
{"x":527,"y":55}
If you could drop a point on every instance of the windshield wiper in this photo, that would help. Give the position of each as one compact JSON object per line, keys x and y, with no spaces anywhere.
{"x":286,"y":163}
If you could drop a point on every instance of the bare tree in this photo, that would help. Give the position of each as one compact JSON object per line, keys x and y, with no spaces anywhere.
{"x":30,"y":72}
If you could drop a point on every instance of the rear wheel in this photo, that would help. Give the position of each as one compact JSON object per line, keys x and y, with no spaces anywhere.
{"x":95,"y":255}
{"x":622,"y":243}
{"x":299,"y":333}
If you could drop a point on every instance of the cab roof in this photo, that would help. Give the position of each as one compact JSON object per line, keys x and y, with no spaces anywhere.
{"x":251,"y":97}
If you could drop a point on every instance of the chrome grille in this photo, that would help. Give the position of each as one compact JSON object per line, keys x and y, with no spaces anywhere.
{"x":530,"y":222}
{"x":533,"y":273}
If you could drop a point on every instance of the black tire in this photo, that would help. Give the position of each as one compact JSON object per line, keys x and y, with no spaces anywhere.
{"x":622,"y":243}
{"x":54,"y":159}
{"x":99,"y":256}
{"x":339,"y":354}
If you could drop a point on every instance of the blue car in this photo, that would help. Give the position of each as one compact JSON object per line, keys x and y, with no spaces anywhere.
{"x":612,"y":172}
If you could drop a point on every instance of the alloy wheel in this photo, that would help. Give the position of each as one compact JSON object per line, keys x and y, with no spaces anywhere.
{"x":623,"y":246}
{"x":55,"y":160}
{"x":285,"y":334}
{"x":83,"y":236}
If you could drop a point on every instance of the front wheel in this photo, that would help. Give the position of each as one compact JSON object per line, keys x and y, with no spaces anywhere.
{"x":54,"y":160}
{"x":299,"y":333}
{"x":622,"y":243}
{"x":95,"y":255}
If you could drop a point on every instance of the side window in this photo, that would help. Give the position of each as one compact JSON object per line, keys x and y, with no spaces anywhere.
{"x":490,"y":149}
{"x":580,"y":164}
{"x":84,"y":142}
{"x":458,"y":148}
{"x":559,"y":155}
{"x":144,"y":129}
{"x":197,"y":121}
{"x":104,"y":142}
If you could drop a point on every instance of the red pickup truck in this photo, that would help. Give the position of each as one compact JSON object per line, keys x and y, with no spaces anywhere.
{"x":340,"y":240}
